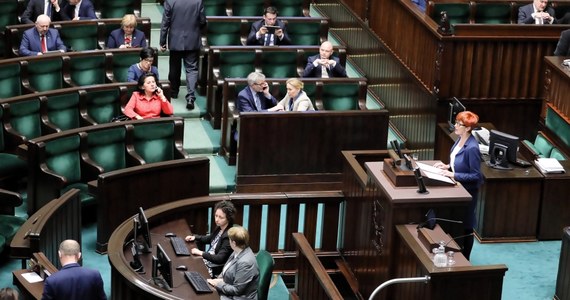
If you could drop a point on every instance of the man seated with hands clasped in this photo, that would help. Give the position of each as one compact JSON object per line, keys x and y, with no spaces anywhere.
{"x":536,"y":13}
{"x":324,"y":65}
{"x":269,"y":31}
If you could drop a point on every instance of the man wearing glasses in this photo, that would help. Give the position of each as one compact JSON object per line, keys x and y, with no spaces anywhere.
{"x":255,"y":96}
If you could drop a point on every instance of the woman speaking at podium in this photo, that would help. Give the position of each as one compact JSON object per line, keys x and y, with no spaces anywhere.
{"x":465,"y":166}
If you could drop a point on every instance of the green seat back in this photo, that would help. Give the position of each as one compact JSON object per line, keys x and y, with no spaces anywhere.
{"x":342,"y":96}
{"x":247,"y":7}
{"x":107,"y":148}
{"x":558,"y":126}
{"x":215,"y":8}
{"x":223,"y":33}
{"x":530,"y":145}
{"x":289,"y":8}
{"x":46,"y":74}
{"x":9,"y":15}
{"x":458,"y":13}
{"x":236,"y":64}
{"x":103,"y":105}
{"x":265,"y":264}
{"x":9,"y":225}
{"x":154,"y":142}
{"x":543,"y":145}
{"x":304,"y":33}
{"x":556,"y":153}
{"x":25,"y":118}
{"x":116,"y":8}
{"x":80,"y":38}
{"x":88,"y":70}
{"x":63,"y":110}
{"x":121,"y":63}
{"x":493,"y":13}
{"x":10,"y":83}
{"x":62,"y":157}
{"x":279,"y":64}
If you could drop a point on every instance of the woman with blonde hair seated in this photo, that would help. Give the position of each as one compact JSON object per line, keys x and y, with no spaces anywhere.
{"x":295,"y":100}
{"x":128,"y":35}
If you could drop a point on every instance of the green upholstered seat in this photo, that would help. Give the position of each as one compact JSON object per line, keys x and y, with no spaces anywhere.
{"x":155,"y":142}
{"x":237,"y":64}
{"x":10,"y":165}
{"x":9,"y":225}
{"x":279,"y":64}
{"x":543,"y":146}
{"x":458,"y":13}
{"x":247,"y":7}
{"x":107,"y":148}
{"x":121,"y":62}
{"x":10,"y":85}
{"x":103,"y":105}
{"x":556,"y":153}
{"x":45,"y":74}
{"x":340,"y":96}
{"x":117,"y":8}
{"x":25,"y":118}
{"x":304,"y":33}
{"x":88,"y":70}
{"x":289,"y":8}
{"x":558,"y":126}
{"x":215,"y":8}
{"x":63,"y":110}
{"x":493,"y":13}
{"x":265,"y":263}
{"x":223,"y":33}
{"x":80,"y":37}
{"x":9,"y":15}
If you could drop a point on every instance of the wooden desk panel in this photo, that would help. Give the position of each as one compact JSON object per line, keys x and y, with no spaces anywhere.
{"x":554,"y":205}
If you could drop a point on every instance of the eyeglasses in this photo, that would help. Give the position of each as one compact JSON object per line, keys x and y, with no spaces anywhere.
{"x":262,"y":83}
{"x":459,"y":125}
{"x":149,"y":60}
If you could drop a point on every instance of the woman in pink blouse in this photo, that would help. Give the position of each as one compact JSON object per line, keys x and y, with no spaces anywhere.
{"x":149,"y":101}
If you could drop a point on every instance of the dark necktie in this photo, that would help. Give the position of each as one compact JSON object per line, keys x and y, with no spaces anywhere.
{"x":43,"y":42}
{"x":257,"y":99}
{"x":48,"y":10}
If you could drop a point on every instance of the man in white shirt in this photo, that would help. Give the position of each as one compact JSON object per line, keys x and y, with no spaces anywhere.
{"x":538,"y":12}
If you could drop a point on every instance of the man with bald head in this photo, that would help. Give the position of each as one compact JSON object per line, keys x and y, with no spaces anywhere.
{"x":40,"y":39}
{"x":538,"y":12}
{"x":324,"y":65}
{"x":73,"y":281}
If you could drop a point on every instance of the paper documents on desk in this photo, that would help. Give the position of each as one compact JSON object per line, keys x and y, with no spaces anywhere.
{"x":32,"y":277}
{"x":434,"y":173}
{"x":549,"y":165}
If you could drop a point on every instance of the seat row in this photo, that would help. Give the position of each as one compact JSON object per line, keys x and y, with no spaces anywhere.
{"x":288,"y":8}
{"x":77,"y":35}
{"x":32,"y":74}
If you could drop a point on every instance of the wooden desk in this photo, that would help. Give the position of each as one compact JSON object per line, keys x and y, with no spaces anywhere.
{"x":554,"y":205}
{"x":413,"y":260}
{"x":27,"y":290}
{"x":370,"y":253}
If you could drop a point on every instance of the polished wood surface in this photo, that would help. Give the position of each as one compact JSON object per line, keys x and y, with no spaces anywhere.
{"x":34,"y":290}
{"x":557,"y":85}
{"x":460,"y":281}
{"x":554,"y":206}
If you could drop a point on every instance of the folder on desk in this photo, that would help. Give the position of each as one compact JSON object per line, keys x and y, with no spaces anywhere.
{"x":549,"y":165}
{"x":433,"y":176}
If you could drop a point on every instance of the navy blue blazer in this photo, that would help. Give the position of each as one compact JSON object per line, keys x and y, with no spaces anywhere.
{"x":255,"y":26}
{"x":86,"y":11}
{"x":36,"y":8}
{"x":468,"y":164}
{"x":74,"y":282}
{"x":563,"y":46}
{"x":312,"y":71}
{"x":246,"y":102}
{"x":525,"y":14}
{"x":117,"y":38}
{"x":31,"y":44}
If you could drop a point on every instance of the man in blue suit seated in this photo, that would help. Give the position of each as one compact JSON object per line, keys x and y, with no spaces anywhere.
{"x":79,"y":10}
{"x":73,"y":281}
{"x":536,"y":13}
{"x":255,"y":96}
{"x":269,"y":31}
{"x":41,"y":38}
{"x":324,"y":65}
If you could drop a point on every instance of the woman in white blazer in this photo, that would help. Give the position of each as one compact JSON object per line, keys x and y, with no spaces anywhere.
{"x":295,"y":100}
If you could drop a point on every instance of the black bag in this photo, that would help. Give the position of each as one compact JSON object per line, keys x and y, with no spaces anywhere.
{"x":120,"y":118}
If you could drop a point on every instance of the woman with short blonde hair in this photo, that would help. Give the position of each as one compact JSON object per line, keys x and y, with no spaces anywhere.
{"x":128,"y":35}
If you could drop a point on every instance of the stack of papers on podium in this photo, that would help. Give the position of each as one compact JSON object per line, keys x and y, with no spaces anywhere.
{"x":549,"y":165}
{"x":434,"y":173}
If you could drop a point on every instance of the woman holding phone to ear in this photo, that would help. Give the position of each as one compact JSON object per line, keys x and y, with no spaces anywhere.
{"x":148,"y":101}
{"x":296,"y":99}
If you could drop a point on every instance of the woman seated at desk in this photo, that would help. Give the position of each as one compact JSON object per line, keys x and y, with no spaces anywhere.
{"x":220,"y":249}
{"x":149,"y":101}
{"x":295,"y":100}
{"x":143,"y":66}
{"x":128,"y":35}
{"x":240,"y":275}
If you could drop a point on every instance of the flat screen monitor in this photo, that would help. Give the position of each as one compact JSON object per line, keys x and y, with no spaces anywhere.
{"x":164,"y":265}
{"x":503,"y":149}
{"x":142,"y":228}
{"x":455,"y":107}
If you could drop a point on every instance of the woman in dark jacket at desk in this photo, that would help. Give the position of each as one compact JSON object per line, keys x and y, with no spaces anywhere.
{"x":465,"y":167}
{"x":220,"y":249}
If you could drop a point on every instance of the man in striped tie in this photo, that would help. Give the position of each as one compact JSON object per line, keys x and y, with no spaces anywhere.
{"x":40,"y":39}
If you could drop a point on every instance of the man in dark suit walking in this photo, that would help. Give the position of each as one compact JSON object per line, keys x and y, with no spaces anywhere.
{"x":41,"y":38}
{"x":255,"y":96}
{"x":536,"y":13}
{"x":73,"y":281}
{"x":324,"y":65}
{"x":269,"y":31}
{"x":38,"y":7}
{"x":181,"y":23}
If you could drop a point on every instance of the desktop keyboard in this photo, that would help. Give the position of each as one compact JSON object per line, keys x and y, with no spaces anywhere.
{"x":198,"y":282}
{"x":179,"y":246}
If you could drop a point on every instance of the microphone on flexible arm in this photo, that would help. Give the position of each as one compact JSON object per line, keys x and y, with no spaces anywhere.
{"x":455,"y":246}
{"x":431,"y":226}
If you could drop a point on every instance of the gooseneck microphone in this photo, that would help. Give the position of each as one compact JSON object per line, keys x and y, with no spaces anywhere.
{"x":427,"y":222}
{"x":455,"y":238}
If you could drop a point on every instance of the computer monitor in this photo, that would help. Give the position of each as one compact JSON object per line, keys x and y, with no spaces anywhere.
{"x":455,"y":107}
{"x":141,"y":228}
{"x":163,"y":265}
{"x":503,"y":149}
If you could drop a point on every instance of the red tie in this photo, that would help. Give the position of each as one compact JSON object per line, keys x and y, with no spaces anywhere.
{"x":43,"y":41}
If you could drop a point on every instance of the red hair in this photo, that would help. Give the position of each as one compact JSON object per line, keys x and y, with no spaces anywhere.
{"x":468,"y":119}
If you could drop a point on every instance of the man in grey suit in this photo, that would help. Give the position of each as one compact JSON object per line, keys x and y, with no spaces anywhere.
{"x":181,"y":23}
{"x":536,"y":13}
